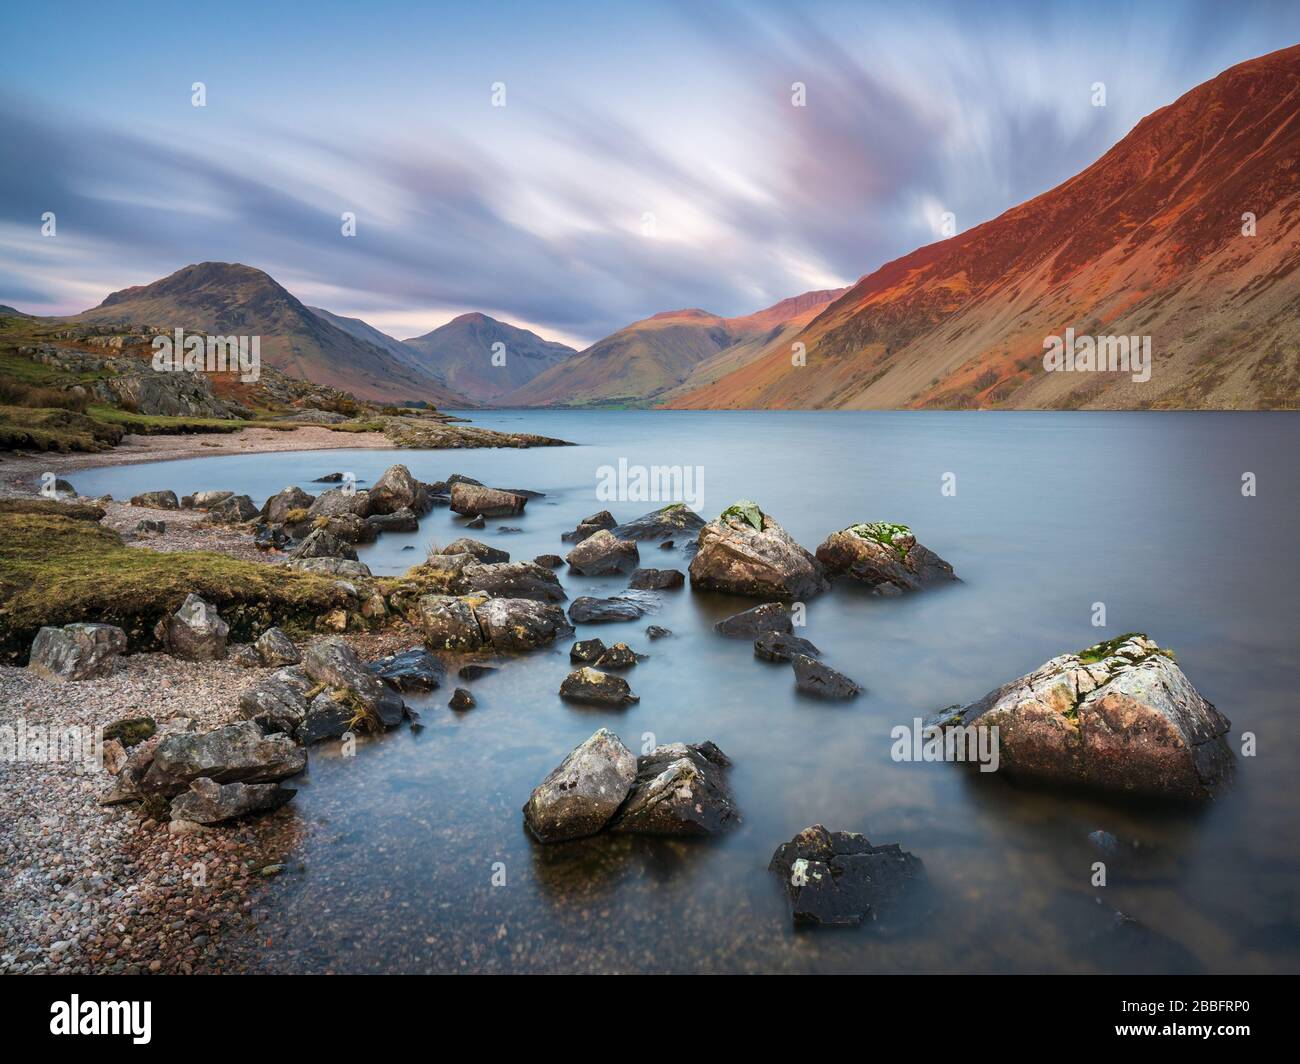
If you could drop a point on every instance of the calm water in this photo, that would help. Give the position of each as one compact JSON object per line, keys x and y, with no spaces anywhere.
{"x":1052,"y":513}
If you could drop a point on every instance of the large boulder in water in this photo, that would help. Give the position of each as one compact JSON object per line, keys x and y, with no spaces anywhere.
{"x":276,"y":509}
{"x":448,"y":622}
{"x":669,"y":522}
{"x":679,"y":790}
{"x":885,"y":557}
{"x":596,"y":688}
{"x":1119,"y":716}
{"x":579,"y":796}
{"x":194,"y":632}
{"x":521,"y":624}
{"x":76,"y":651}
{"x":395,"y":490}
{"x":589,"y":526}
{"x":511,"y":580}
{"x":339,"y":501}
{"x":479,"y":550}
{"x":473,"y":499}
{"x":603,"y":554}
{"x":745,"y":552}
{"x":838,"y":879}
{"x":812,"y":677}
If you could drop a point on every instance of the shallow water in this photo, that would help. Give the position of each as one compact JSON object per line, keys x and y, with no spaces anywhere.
{"x":1053,"y":512}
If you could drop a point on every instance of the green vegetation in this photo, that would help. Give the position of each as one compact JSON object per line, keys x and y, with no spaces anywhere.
{"x":1108,"y":649}
{"x":745,"y":510}
{"x":54,"y":429}
{"x":882,"y":532}
{"x":55,"y":570}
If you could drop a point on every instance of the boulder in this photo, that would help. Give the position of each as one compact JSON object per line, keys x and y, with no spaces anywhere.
{"x":520,"y":624}
{"x":235,"y":753}
{"x":580,"y":795}
{"x":448,"y":623}
{"x":203,"y":500}
{"x":461,"y":700}
{"x":339,"y":501}
{"x":474,"y":670}
{"x":244,"y":655}
{"x":349,"y":528}
{"x":474,"y":500}
{"x":395,"y":490}
{"x":277,"y":508}
{"x":414,"y":669}
{"x":838,"y":879}
{"x":403,"y":520}
{"x":512,"y":580}
{"x":150,"y":525}
{"x":209,"y":802}
{"x":589,"y":526}
{"x":586,"y":651}
{"x":549,"y":561}
{"x":671,"y":521}
{"x":656,"y":631}
{"x":323,"y":544}
{"x":1118,"y":716}
{"x":657,"y":579}
{"x":333,"y":663}
{"x":884,"y":556}
{"x":130,"y":731}
{"x":679,"y":790}
{"x":598,"y":688}
{"x":233,"y":510}
{"x":270,"y":537}
{"x":481,"y":551}
{"x":745,"y":552}
{"x":331,"y":715}
{"x":476,"y":522}
{"x":619,"y":656}
{"x":626,"y":606}
{"x":276,"y":649}
{"x":278,"y":703}
{"x":348,"y":568}
{"x":159,"y":500}
{"x":782,"y":647}
{"x":769,"y":617}
{"x":814,"y":678}
{"x":194,"y":632}
{"x":75,"y":651}
{"x":602,"y":554}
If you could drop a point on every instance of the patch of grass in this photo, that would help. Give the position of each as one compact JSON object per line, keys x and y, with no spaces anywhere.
{"x":54,"y":429}
{"x":55,"y":570}
{"x":747,"y":511}
{"x":77,"y":511}
{"x":882,"y":532}
{"x":1101,"y":651}
{"x":162,"y":424}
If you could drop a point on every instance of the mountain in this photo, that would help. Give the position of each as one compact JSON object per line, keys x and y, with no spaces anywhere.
{"x":363,"y":330}
{"x":650,"y":360}
{"x":461,"y":353}
{"x":233,"y":299}
{"x":1149,"y":241}
{"x":10,"y":312}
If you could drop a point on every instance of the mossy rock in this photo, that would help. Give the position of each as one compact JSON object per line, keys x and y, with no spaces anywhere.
{"x":131,"y":731}
{"x":747,"y":511}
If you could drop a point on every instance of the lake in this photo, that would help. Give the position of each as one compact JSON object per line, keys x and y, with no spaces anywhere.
{"x":407,"y":843}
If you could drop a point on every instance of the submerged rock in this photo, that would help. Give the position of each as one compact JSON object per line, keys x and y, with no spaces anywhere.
{"x":657,"y":631}
{"x":884,"y":556}
{"x":745,"y":552}
{"x":209,"y":802}
{"x":578,"y":797}
{"x":602,"y":555}
{"x":473,"y":500}
{"x":769,"y":617}
{"x":782,"y":646}
{"x":815,"y":678}
{"x":679,"y":790}
{"x":194,"y":632}
{"x":1119,"y":716}
{"x":75,"y":651}
{"x":461,"y":700}
{"x":598,"y":688}
{"x":838,"y":879}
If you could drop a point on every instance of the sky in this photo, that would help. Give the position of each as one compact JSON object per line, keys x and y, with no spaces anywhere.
{"x":569,"y":167}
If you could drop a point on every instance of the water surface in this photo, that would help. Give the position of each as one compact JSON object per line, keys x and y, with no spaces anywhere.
{"x":1053,"y":512}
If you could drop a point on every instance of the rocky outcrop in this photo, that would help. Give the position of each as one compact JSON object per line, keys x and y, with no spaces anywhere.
{"x":602,"y":554}
{"x":1118,"y":716}
{"x":745,"y":552}
{"x":669,"y":522}
{"x":338,"y":501}
{"x":812,"y":677}
{"x":579,"y":796}
{"x":521,"y":624}
{"x":885,"y":557}
{"x":679,"y":790}
{"x":194,"y":632}
{"x":323,"y":544}
{"x":769,"y":617}
{"x":75,"y":651}
{"x":209,"y":802}
{"x":279,"y":703}
{"x":657,"y":579}
{"x":596,"y":688}
{"x":838,"y":879}
{"x":473,"y":499}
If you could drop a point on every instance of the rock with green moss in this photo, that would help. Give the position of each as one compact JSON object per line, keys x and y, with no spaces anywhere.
{"x":131,"y":731}
{"x":745,"y":552}
{"x":885,"y":557}
{"x":1118,"y":716}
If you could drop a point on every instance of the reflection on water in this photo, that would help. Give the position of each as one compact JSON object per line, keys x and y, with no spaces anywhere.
{"x":1053,"y":513}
